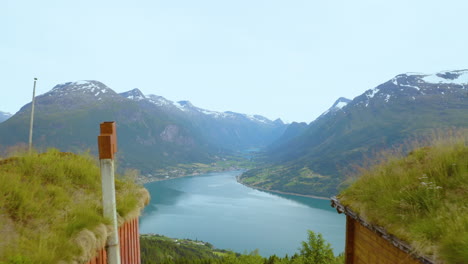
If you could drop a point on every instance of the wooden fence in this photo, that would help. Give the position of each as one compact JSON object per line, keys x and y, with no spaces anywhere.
{"x":129,"y":241}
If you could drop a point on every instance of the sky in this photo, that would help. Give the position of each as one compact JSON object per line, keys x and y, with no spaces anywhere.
{"x":280,"y":59}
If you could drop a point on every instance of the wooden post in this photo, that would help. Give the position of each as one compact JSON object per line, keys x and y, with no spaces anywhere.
{"x":107,"y":142}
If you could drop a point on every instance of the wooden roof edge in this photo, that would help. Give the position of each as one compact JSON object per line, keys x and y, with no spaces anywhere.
{"x":340,"y":208}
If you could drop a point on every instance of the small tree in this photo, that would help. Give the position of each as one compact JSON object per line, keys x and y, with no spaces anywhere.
{"x":316,"y":250}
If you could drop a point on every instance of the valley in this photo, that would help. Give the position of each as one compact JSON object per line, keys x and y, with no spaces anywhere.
{"x":163,"y":139}
{"x":214,"y":176}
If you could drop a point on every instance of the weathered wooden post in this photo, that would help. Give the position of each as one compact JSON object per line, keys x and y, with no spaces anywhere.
{"x":107,"y":142}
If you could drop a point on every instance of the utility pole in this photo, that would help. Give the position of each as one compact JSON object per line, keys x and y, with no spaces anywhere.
{"x":107,"y":142}
{"x":32,"y":116}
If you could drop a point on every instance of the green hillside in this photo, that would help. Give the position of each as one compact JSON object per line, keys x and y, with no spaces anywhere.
{"x":421,"y":198}
{"x":140,"y":144}
{"x":154,"y":133}
{"x":157,"y":249}
{"x":50,"y":207}
{"x":389,"y":116}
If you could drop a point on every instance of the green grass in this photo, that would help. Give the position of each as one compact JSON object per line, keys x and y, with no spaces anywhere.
{"x":48,"y":200}
{"x":421,"y":198}
{"x":279,"y":178}
{"x":180,"y":170}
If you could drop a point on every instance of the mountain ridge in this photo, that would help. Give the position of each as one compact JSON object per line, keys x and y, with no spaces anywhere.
{"x":4,"y":116}
{"x":151,"y":129}
{"x":404,"y":108}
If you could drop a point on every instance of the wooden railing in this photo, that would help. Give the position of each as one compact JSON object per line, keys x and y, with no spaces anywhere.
{"x":129,"y":241}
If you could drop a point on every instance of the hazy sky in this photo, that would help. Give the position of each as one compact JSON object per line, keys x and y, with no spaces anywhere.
{"x":288,"y":59}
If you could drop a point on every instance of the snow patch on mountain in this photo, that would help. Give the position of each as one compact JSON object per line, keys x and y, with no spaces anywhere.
{"x":448,"y":77}
{"x":181,"y":106}
{"x":213,"y":113}
{"x":135,"y":95}
{"x":338,"y":105}
{"x":387,"y":98}
{"x":83,"y":87}
{"x":258,"y":118}
{"x":187,"y":106}
{"x":410,"y":86}
{"x":341,"y":105}
{"x":158,"y":100}
{"x":371,"y":93}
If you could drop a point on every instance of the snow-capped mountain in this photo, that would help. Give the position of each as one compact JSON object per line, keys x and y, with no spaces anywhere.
{"x":4,"y":116}
{"x":227,"y":130}
{"x":411,"y":86}
{"x":74,"y":95}
{"x":135,"y":95}
{"x":153,"y":132}
{"x":189,"y":108}
{"x":402,"y":109}
{"x":84,"y":88}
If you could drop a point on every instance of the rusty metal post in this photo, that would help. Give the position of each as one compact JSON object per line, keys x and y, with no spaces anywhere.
{"x":107,"y":142}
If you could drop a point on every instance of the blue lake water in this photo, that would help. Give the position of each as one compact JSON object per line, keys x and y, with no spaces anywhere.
{"x":216,"y":208}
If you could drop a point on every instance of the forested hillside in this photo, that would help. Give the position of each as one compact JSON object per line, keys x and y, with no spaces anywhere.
{"x":156,"y":249}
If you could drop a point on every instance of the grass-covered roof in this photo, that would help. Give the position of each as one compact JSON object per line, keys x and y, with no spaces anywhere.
{"x":421,"y":198}
{"x":50,"y":207}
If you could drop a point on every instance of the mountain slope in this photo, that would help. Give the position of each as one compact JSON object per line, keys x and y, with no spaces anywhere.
{"x":404,"y":108}
{"x":68,"y":118}
{"x":223,"y":130}
{"x":4,"y":116}
{"x":153,"y":132}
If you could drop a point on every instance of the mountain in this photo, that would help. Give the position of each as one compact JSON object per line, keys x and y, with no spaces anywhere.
{"x":153,"y":132}
{"x":404,"y":108}
{"x":68,"y":117}
{"x":4,"y":116}
{"x":223,"y":130}
{"x":295,"y":129}
{"x":337,"y":106}
{"x":292,"y":131}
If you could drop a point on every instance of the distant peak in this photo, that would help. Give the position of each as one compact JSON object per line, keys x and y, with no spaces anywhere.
{"x":340,"y":103}
{"x":78,"y":88}
{"x":185,"y":103}
{"x":134,"y":94}
{"x":79,"y":85}
{"x":278,"y":121}
{"x":158,"y":100}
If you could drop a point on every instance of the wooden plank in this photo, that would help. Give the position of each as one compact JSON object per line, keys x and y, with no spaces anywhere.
{"x":349,"y":247}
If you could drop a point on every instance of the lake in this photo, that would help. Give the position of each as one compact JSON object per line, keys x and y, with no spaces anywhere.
{"x":215,"y":208}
